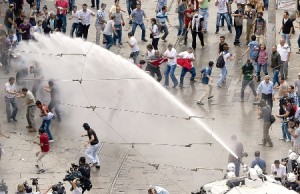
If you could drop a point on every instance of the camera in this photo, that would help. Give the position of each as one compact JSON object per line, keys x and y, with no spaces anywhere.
{"x":73,"y":173}
{"x":58,"y":188}
{"x":35,"y":181}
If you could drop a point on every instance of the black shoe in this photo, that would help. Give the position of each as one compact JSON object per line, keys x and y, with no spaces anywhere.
{"x":216,"y":32}
{"x":181,"y":86}
{"x":98,"y":166}
{"x":93,"y":6}
{"x":144,"y":40}
{"x":175,"y":85}
{"x":14,"y":119}
{"x":210,"y":97}
{"x":130,"y":21}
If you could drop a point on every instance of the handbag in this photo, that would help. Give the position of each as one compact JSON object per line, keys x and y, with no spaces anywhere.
{"x":151,"y":35}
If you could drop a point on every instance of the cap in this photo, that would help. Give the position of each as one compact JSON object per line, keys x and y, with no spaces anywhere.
{"x":86,"y":126}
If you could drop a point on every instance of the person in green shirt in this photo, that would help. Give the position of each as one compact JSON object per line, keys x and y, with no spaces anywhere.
{"x":203,"y":11}
{"x":247,"y":72}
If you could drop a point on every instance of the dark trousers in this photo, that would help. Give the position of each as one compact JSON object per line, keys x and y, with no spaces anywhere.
{"x":83,"y":31}
{"x":194,"y":35}
{"x":155,"y":70}
{"x":93,"y":3}
{"x":155,"y":43}
{"x":268,"y":98}
{"x":238,"y":33}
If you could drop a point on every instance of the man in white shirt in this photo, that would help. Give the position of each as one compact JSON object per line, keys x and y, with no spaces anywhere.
{"x":84,"y":21}
{"x":189,"y":54}
{"x":75,"y":21}
{"x":100,"y":22}
{"x":278,"y":170}
{"x":171,"y":55}
{"x":285,"y":53}
{"x":10,"y":99}
{"x":227,"y":57}
{"x":222,"y":11}
{"x":108,"y":31}
{"x":135,"y":51}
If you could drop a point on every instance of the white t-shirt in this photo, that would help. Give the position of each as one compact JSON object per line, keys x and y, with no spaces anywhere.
{"x":75,"y":17}
{"x":85,"y":16}
{"x":187,"y":55}
{"x":172,"y":53}
{"x":226,"y":57}
{"x":10,"y":88}
{"x":281,"y":171}
{"x":150,"y":54}
{"x":78,"y":190}
{"x":155,"y":31}
{"x":283,"y":51}
{"x":132,"y":41}
{"x":222,"y":6}
{"x":108,"y":30}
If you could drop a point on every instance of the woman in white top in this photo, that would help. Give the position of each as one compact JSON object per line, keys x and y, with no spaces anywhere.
{"x":154,"y":33}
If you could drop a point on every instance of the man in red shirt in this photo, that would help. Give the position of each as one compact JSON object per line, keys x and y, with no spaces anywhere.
{"x":62,"y":7}
{"x":188,"y":15}
{"x":45,"y":148}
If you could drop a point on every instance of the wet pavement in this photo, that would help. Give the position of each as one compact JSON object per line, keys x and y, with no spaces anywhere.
{"x":127,"y":168}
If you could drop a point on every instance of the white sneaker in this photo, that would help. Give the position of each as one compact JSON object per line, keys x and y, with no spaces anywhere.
{"x":288,"y":140}
{"x":51,"y":141}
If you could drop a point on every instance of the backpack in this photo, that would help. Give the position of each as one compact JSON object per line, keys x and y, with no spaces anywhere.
{"x":293,"y":110}
{"x":220,"y":61}
{"x":272,"y":119}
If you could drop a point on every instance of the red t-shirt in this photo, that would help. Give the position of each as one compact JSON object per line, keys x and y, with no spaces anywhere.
{"x":62,"y":4}
{"x":187,"y":19}
{"x":45,"y":141}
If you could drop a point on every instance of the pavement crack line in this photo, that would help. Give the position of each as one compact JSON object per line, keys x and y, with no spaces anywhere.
{"x":119,"y":170}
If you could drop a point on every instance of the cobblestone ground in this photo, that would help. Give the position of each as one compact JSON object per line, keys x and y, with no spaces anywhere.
{"x":125,"y":171}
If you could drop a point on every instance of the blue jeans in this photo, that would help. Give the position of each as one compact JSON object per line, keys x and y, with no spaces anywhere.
{"x":184,"y":71}
{"x":170,"y":69}
{"x":38,"y":5}
{"x":285,"y":134}
{"x":74,"y":28}
{"x":223,"y":76}
{"x":109,"y":40}
{"x":142,"y":26}
{"x":71,"y":3}
{"x":64,"y":21}
{"x":266,"y":4}
{"x":237,"y":168}
{"x":128,"y":7}
{"x":119,"y":34}
{"x":134,"y":56}
{"x":46,"y":126}
{"x":180,"y":18}
{"x":223,"y":20}
{"x":276,"y":77}
{"x":205,"y":15}
{"x":265,"y":69}
{"x":226,"y":16}
{"x":287,"y":39}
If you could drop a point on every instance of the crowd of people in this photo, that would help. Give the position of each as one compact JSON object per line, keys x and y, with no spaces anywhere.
{"x":192,"y":17}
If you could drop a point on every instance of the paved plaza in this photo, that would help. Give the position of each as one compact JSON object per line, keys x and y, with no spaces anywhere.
{"x":131,"y":169}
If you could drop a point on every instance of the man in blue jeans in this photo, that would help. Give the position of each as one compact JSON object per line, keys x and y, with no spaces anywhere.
{"x":171,"y":55}
{"x":289,"y":112}
{"x":181,"y":8}
{"x":189,"y":54}
{"x":47,"y":118}
{"x":203,"y":11}
{"x":222,"y":11}
{"x":227,"y":57}
{"x":137,"y":17}
{"x":108,"y":32}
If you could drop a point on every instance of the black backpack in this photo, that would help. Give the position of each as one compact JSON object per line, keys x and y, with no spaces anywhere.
{"x":220,"y":61}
